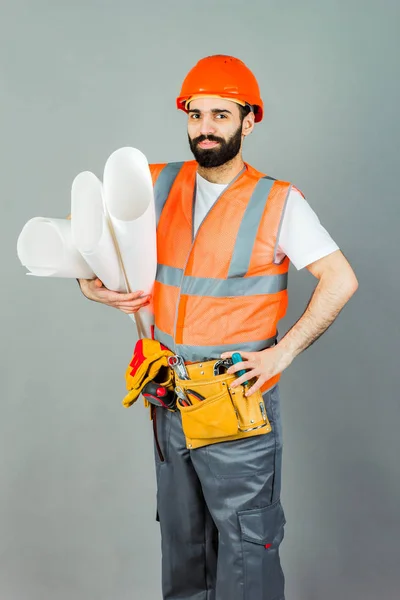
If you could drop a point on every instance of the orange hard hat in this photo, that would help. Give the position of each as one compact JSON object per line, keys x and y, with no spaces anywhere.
{"x":225,"y":77}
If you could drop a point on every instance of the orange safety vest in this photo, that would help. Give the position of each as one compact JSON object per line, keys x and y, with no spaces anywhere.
{"x":221,"y":289}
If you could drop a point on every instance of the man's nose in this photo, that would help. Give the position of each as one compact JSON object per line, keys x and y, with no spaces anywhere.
{"x":207,"y":126}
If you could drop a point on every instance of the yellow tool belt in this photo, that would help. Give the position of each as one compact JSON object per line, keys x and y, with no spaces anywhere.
{"x":225,"y":414}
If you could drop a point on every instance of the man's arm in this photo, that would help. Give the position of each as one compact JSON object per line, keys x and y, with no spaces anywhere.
{"x":337,"y":283}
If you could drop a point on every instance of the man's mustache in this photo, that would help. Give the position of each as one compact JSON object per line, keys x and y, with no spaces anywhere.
{"x":210,"y":138}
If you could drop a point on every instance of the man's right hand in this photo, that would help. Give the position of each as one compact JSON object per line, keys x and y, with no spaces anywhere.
{"x":128,"y":303}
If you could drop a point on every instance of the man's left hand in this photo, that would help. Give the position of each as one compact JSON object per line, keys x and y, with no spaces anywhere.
{"x":261,"y":365}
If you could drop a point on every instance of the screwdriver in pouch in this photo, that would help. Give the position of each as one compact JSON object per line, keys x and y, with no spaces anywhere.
{"x":158,"y":395}
{"x":236,"y":358}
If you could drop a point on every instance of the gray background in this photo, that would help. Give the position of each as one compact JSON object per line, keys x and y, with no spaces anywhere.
{"x":80,"y":79}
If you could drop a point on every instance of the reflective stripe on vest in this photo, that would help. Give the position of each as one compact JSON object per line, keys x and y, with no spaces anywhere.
{"x":164,"y":184}
{"x":219,"y":288}
{"x":197,"y":353}
{"x":248,"y":228}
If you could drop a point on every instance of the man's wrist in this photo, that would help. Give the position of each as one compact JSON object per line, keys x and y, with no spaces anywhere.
{"x":284,"y":355}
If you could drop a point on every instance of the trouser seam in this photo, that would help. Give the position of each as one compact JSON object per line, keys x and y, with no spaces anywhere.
{"x":275,"y":453}
{"x":205,"y":547}
{"x":244,"y":569}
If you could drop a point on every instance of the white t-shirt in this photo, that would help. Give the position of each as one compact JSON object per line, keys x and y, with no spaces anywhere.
{"x":302,"y":237}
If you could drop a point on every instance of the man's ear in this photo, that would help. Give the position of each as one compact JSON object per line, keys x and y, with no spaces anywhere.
{"x":248,"y":124}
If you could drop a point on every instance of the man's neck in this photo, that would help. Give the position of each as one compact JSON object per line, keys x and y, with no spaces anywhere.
{"x":223,"y":174}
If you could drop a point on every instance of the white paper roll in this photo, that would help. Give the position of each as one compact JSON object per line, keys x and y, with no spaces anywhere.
{"x":91,"y":233}
{"x":129,"y":203}
{"x":45,"y":247}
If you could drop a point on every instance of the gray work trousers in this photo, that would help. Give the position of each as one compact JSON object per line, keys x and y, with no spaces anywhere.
{"x":220,"y":513}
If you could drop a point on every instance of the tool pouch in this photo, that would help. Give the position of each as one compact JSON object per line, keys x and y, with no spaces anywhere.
{"x":225,"y":413}
{"x":213,"y":417}
{"x":250,"y":410}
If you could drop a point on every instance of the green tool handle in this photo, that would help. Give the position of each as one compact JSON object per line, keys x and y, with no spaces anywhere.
{"x":236,"y":357}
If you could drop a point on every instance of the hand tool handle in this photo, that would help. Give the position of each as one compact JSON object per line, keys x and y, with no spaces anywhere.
{"x":195,"y":394}
{"x":158,"y":395}
{"x":236,"y":358}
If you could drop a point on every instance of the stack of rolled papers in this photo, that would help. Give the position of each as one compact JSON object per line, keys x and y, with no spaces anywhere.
{"x":111,"y":234}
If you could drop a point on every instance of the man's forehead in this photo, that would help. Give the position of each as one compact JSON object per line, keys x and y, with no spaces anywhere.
{"x":210,"y":103}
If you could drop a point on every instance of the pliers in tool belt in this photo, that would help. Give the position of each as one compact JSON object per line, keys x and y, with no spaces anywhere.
{"x":195,"y":394}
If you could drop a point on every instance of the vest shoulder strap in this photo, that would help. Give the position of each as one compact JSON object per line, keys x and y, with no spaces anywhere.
{"x":163,"y":185}
{"x":247,"y":234}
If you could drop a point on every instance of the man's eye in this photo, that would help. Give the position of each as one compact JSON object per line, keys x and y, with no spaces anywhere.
{"x":194,"y":116}
{"x":221,"y":115}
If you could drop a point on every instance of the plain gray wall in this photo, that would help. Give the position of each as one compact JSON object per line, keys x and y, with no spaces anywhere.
{"x":80,"y":79}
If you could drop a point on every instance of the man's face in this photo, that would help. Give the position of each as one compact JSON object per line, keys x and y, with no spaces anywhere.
{"x":214,"y":131}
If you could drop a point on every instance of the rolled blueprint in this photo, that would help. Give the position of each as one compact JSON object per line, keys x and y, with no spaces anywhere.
{"x":129,"y":206}
{"x":91,"y":233}
{"x":46,"y":249}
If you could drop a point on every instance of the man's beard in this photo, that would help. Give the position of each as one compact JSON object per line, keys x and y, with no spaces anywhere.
{"x":219,"y":155}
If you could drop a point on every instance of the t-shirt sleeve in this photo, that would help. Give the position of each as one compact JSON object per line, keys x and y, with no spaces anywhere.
{"x":302,"y":238}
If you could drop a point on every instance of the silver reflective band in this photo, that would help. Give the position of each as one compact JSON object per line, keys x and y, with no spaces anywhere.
{"x":249,"y":227}
{"x":198,"y":353}
{"x":164,"y":338}
{"x":169,"y":275}
{"x":221,"y":288}
{"x":240,"y":286}
{"x":164,"y":184}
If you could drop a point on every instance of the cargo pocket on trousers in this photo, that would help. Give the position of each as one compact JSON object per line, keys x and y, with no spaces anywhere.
{"x":262,"y":531}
